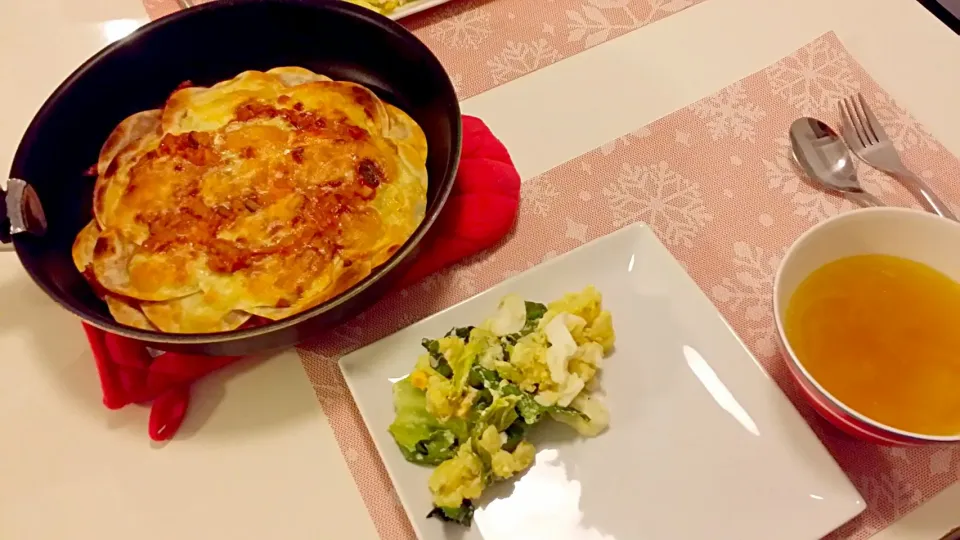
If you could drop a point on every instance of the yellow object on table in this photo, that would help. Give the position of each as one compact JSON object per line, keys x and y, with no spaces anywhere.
{"x":382,"y":6}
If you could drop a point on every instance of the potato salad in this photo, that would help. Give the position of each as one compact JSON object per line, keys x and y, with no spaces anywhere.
{"x":467,"y":406}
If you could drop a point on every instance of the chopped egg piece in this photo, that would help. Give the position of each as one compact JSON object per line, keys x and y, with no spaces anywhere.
{"x":510,"y":317}
{"x":546,"y":398}
{"x":570,"y":389}
{"x":562,"y":347}
{"x":591,"y":353}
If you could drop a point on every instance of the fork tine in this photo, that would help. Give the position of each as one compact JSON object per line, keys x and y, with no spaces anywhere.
{"x":850,"y":134}
{"x":875,"y":126}
{"x":855,"y":121}
{"x":861,"y":121}
{"x":864,"y":121}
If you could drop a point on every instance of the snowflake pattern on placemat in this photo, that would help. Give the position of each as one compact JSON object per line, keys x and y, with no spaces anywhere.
{"x":657,"y":195}
{"x":597,"y":20}
{"x":726,"y":200}
{"x":729,"y":113}
{"x":747,"y":292}
{"x":538,"y":196}
{"x":462,"y":29}
{"x":903,"y":130}
{"x":815,"y":77}
{"x":783,"y":174}
{"x":521,"y":58}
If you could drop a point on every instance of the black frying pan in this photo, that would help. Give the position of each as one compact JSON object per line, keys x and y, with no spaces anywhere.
{"x":207,"y":44}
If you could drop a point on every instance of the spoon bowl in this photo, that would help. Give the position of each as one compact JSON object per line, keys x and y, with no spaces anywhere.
{"x":825,"y":159}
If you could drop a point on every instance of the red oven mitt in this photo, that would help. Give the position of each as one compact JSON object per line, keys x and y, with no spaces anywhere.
{"x":481,"y":210}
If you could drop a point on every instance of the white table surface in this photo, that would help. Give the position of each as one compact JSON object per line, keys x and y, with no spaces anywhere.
{"x":256,"y":457}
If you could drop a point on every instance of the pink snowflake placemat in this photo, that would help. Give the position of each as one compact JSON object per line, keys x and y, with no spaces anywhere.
{"x":485,"y":43}
{"x":716,"y":182}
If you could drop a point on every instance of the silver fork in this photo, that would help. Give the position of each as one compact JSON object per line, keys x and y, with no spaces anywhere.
{"x":865,"y":136}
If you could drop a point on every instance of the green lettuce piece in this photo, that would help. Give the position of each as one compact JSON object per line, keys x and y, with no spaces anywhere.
{"x":462,"y":515}
{"x":462,"y":333}
{"x":433,"y":349}
{"x":440,"y":447}
{"x":421,"y":437}
{"x":464,"y":361}
{"x":568,"y":412}
{"x":508,"y":341}
{"x":461,"y":364}
{"x":515,"y":433}
{"x":527,"y":407}
{"x":500,"y":414}
{"x":443,"y":368}
{"x":531,"y":411}
{"x":535,"y":312}
{"x":481,"y":377}
{"x":432,"y":346}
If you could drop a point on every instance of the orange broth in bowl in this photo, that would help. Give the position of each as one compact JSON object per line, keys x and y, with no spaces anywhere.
{"x":881,"y":334}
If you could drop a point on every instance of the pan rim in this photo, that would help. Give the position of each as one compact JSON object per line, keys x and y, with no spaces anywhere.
{"x":406,"y":250}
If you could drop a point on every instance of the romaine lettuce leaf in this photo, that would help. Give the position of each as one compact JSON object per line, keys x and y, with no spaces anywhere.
{"x":587,"y":414}
{"x":462,"y":515}
{"x":535,"y":312}
{"x":462,"y":333}
{"x":481,"y":377}
{"x":500,"y":414}
{"x":531,"y":411}
{"x":515,"y":433}
{"x":438,"y":362}
{"x":461,"y":359}
{"x":421,"y":437}
{"x":432,"y":346}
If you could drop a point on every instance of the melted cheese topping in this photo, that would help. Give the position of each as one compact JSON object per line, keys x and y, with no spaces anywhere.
{"x":263,"y":195}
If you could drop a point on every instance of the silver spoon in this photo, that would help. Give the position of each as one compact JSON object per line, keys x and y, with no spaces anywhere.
{"x":822,"y":154}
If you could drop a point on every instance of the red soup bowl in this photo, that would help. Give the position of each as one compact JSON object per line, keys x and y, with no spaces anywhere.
{"x":902,"y":232}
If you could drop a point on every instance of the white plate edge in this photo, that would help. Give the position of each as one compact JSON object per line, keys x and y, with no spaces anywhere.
{"x":380,"y":450}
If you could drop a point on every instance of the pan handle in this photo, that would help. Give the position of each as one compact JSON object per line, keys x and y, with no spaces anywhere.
{"x":5,"y":236}
{"x":20,"y":212}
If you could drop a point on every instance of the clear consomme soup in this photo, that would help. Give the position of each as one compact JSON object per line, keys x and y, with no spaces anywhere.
{"x":882,"y":335}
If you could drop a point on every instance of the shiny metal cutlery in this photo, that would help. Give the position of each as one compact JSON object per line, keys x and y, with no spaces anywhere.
{"x":865,"y":136}
{"x":825,"y":159}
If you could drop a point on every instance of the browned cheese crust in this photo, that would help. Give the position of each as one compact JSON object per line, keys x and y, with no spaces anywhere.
{"x":263,"y":195}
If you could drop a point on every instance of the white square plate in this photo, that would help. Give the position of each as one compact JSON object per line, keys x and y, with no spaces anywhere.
{"x":701,"y":444}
